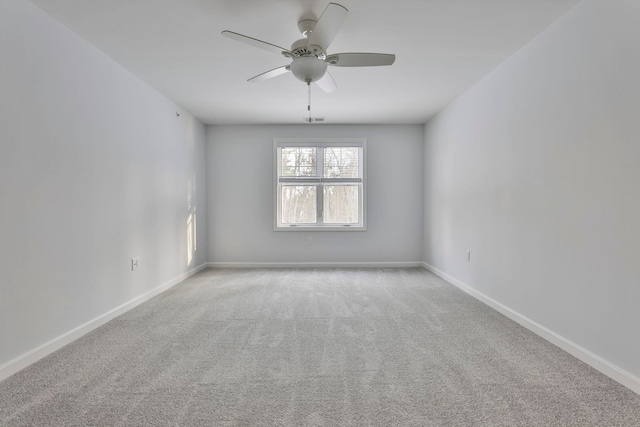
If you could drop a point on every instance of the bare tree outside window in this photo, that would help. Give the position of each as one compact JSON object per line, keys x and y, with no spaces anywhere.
{"x":340,"y":204}
{"x":298,"y":161}
{"x":299,"y":204}
{"x":341,"y":162}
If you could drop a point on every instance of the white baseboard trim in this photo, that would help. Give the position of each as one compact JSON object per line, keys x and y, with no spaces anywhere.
{"x":607,"y":368}
{"x":409,"y":264}
{"x":13,"y":366}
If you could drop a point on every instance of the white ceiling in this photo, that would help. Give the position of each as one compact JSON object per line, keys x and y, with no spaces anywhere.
{"x":442,"y":47}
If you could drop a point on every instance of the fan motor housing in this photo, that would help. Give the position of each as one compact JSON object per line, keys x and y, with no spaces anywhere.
{"x":301,"y":48}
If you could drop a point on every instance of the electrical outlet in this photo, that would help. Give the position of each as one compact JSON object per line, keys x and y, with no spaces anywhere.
{"x":468,"y":255}
{"x":309,"y":241}
{"x":135,"y":263}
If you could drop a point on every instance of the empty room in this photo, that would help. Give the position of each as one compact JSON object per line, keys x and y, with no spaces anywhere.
{"x":305,"y":213}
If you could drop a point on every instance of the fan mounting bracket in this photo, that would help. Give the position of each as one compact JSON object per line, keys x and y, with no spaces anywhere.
{"x":306,"y":26}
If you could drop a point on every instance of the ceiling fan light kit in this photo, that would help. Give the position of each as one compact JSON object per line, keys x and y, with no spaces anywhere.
{"x":309,"y":55}
{"x":308,"y":69}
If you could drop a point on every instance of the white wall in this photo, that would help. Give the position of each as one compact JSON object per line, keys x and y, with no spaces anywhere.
{"x":535,"y":170}
{"x":240,"y":198}
{"x":95,"y":168}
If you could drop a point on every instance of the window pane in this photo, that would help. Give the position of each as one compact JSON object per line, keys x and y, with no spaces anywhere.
{"x":340,"y":204}
{"x":298,"y":161}
{"x":341,"y":162}
{"x":298,"y":204}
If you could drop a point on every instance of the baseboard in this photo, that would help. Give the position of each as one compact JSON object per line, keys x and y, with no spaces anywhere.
{"x":32,"y":356}
{"x":409,"y":264}
{"x":612,"y":371}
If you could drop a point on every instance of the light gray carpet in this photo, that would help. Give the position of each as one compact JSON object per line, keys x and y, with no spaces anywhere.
{"x":317,"y":347}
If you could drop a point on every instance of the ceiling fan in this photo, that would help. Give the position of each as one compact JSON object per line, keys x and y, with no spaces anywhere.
{"x":309,"y":55}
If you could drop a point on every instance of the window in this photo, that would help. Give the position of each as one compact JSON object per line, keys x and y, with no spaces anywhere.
{"x":320,"y":184}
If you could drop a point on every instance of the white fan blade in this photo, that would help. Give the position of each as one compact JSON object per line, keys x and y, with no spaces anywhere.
{"x":328,"y":26}
{"x":255,"y":42}
{"x":326,"y":83}
{"x":360,"y":59}
{"x":269,"y":74}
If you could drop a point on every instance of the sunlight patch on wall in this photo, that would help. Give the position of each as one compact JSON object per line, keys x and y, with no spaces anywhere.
{"x":191,"y":220}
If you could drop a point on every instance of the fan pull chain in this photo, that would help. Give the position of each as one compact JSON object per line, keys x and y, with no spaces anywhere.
{"x":309,"y":100}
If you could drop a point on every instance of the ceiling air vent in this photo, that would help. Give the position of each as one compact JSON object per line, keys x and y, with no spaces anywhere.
{"x":313,"y":119}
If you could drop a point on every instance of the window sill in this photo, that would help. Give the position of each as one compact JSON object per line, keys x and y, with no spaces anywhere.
{"x":324,"y":228}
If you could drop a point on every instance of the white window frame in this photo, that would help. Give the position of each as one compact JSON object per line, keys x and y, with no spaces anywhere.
{"x":321,"y":142}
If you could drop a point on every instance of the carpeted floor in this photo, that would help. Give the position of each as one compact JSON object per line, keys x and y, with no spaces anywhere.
{"x":316,"y":347}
